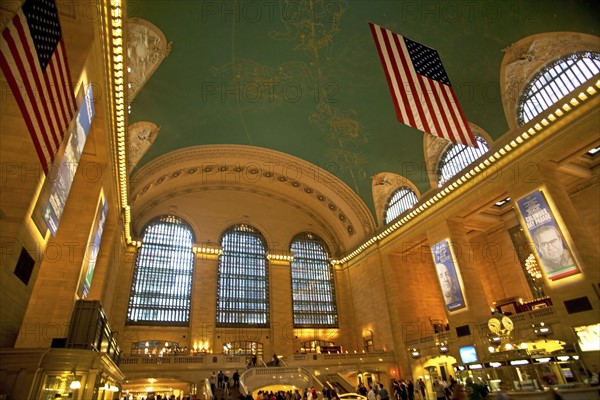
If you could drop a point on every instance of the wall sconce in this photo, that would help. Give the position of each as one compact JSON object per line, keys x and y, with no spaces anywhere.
{"x":415,"y":353}
{"x":443,"y":348}
{"x":109,"y":388}
{"x":541,"y":329}
{"x":75,"y":383}
{"x":495,"y":340}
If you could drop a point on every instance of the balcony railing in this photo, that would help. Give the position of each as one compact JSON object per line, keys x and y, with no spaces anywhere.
{"x":220,"y":360}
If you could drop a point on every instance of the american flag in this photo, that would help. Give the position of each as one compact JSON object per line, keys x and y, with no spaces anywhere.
{"x":34,"y":62}
{"x":420,"y":88}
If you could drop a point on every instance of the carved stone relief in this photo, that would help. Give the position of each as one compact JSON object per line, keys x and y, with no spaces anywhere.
{"x":147,"y":47}
{"x":140,"y":137}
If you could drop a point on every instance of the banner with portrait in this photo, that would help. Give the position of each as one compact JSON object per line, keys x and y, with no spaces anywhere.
{"x":93,"y":248}
{"x":553,"y":254}
{"x":448,"y":276}
{"x":68,"y":166}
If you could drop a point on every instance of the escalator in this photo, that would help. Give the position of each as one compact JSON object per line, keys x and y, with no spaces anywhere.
{"x":338,"y":383}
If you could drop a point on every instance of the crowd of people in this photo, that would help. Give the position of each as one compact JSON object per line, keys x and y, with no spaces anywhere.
{"x":454,"y":390}
{"x":401,"y":389}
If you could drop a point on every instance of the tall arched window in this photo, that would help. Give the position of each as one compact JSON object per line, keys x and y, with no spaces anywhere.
{"x":242,"y":288}
{"x":457,"y":157}
{"x":162,"y":278}
{"x":555,"y":81}
{"x":313,"y":294}
{"x":400,"y":201}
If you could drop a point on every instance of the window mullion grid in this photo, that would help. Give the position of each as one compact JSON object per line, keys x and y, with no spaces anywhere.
{"x":162,"y":274}
{"x":314,"y":293}
{"x":584,"y":72}
{"x":244,"y":267}
{"x":579,"y":73}
{"x":568,"y":77}
{"x":458,"y":160}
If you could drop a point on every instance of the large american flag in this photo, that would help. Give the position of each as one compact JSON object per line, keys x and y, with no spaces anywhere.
{"x":34,"y":62}
{"x":420,"y":88}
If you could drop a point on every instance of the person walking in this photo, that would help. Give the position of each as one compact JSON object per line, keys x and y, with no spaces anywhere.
{"x":439,"y":387}
{"x":421,"y":387}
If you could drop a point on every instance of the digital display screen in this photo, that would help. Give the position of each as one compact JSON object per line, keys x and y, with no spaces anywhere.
{"x":588,"y":337}
{"x":468,"y":354}
{"x":567,"y":373}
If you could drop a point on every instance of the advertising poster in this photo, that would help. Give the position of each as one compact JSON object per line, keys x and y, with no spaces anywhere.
{"x":556,"y":260}
{"x":68,"y":166}
{"x":92,"y":249}
{"x":448,"y":276}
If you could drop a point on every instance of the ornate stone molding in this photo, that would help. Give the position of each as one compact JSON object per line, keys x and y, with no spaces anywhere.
{"x":145,"y":213}
{"x":147,"y":47}
{"x":256,"y":169}
{"x":523,"y":59}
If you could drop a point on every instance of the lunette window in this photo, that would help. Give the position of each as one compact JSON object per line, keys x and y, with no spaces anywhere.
{"x":162,"y":278}
{"x":457,"y":157}
{"x":555,"y":81}
{"x":313,"y":294}
{"x":401,"y":200}
{"x":242,"y":284}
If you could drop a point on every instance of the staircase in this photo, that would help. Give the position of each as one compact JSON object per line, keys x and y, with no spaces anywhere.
{"x":232,"y":393}
{"x":256,"y":378}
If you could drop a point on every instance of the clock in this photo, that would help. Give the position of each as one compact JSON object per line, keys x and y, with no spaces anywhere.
{"x":494,"y":325}
{"x":507,"y":323}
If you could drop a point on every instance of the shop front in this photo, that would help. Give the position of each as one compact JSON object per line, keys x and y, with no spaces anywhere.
{"x":525,"y":372}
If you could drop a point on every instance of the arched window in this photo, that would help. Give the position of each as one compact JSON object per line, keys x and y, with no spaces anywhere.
{"x":400,"y":201}
{"x":457,"y":157}
{"x":313,"y":294}
{"x":555,"y":81}
{"x":162,"y":277}
{"x":242,"y":288}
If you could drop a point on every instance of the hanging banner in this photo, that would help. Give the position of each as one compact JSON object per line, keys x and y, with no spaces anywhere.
{"x":65,"y":174}
{"x":448,"y":276}
{"x":92,"y":249}
{"x":555,"y":257}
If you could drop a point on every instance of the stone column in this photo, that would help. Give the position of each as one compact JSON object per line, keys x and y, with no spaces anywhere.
{"x":54,"y":292}
{"x":477,"y":308}
{"x":281,"y":336}
{"x":204,"y":303}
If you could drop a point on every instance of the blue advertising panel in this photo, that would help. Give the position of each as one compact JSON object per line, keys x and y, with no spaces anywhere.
{"x":556,"y":260}
{"x":93,"y":248}
{"x":448,"y":276}
{"x":65,"y":174}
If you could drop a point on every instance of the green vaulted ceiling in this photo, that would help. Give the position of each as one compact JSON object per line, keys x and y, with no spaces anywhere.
{"x":303,"y":77}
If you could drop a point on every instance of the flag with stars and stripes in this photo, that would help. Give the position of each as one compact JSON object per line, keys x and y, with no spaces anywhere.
{"x":34,"y":62}
{"x":421,"y":91}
